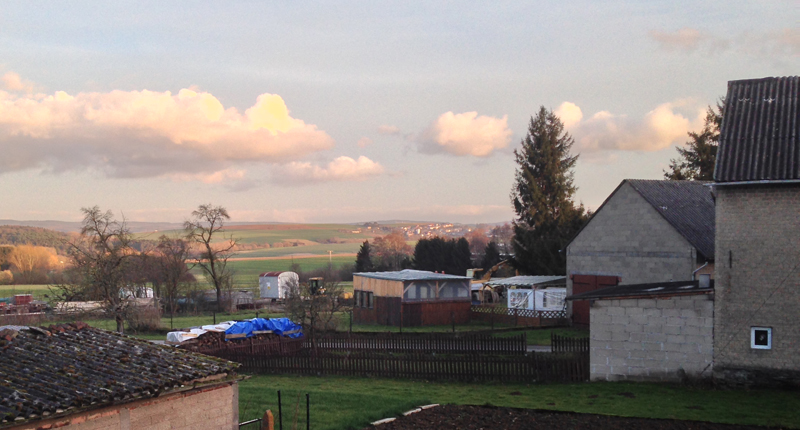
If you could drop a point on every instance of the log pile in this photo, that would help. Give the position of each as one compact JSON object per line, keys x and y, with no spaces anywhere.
{"x":217,"y":341}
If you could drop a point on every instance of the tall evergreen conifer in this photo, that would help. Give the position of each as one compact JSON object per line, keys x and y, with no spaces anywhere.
{"x":543,"y":197}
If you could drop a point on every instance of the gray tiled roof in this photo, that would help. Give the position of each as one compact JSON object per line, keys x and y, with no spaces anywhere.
{"x":61,"y":369}
{"x":687,"y":205}
{"x":410,"y":275}
{"x":679,"y":288}
{"x":760,"y":136}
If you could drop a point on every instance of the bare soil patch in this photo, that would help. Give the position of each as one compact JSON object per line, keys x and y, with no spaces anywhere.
{"x":490,"y":417}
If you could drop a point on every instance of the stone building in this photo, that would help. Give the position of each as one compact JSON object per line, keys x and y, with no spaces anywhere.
{"x":757,"y":186}
{"x":78,"y":377}
{"x":646,"y":231}
{"x":651,"y":332}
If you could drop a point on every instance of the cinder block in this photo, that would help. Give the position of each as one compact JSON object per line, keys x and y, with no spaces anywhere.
{"x":665,"y":304}
{"x":622,"y":320}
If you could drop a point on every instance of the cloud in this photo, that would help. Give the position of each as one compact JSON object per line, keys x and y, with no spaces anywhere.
{"x":389,"y":130}
{"x":340,"y":169}
{"x":686,"y":39}
{"x":776,"y":43}
{"x":147,"y":133}
{"x":569,"y":113}
{"x":364,"y":142}
{"x":659,"y":129}
{"x":465,"y":134}
{"x":12,"y":82}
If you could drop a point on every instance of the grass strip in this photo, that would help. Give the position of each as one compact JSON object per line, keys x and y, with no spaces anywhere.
{"x":352,"y":403}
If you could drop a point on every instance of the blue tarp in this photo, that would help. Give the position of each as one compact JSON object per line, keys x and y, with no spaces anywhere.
{"x":280,"y":326}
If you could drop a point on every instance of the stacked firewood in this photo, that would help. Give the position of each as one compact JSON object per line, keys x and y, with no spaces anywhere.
{"x":217,"y":340}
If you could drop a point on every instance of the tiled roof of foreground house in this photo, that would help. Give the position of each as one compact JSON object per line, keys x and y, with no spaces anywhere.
{"x":63,"y":369}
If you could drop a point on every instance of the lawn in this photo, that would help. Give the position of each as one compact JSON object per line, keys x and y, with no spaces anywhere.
{"x":347,"y":403}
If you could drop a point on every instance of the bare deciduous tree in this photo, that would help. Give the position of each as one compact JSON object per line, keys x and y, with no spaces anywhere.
{"x":315,"y":309}
{"x":100,"y":256}
{"x":172,"y":256}
{"x":207,"y":230}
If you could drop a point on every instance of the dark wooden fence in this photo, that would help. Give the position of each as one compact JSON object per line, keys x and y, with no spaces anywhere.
{"x":561,"y":344}
{"x":518,"y":317}
{"x":428,"y":342}
{"x":541,"y":367}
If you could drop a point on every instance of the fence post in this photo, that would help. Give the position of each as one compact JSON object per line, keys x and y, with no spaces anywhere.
{"x":308,"y":413}
{"x":492,"y":309}
{"x":280,"y":411}
{"x":268,"y":421}
{"x":516,"y":317}
{"x":453,"y":320}
{"x":215,"y":317}
{"x":350,"y":330}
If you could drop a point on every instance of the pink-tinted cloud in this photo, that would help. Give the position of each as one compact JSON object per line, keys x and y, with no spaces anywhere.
{"x":780,"y":42}
{"x":148,"y":133}
{"x":389,"y":130}
{"x":686,"y":39}
{"x":465,"y":134}
{"x":364,"y":142}
{"x":12,"y":82}
{"x":340,"y":169}
{"x":659,"y":129}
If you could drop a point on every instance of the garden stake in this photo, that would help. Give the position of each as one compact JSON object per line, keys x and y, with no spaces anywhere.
{"x":308,"y":414}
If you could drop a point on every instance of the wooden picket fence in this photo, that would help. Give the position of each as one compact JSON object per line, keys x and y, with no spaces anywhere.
{"x":561,"y":344}
{"x":429,"y":343}
{"x":535,"y":367}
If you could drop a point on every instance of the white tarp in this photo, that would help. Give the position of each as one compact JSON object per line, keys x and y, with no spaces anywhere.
{"x":183,"y":336}
{"x":546,"y":299}
{"x":277,"y":285}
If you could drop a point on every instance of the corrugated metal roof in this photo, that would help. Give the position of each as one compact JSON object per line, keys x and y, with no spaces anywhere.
{"x":410,"y":275}
{"x":760,"y":135}
{"x":679,"y":288}
{"x":687,"y":205}
{"x":528,"y":281}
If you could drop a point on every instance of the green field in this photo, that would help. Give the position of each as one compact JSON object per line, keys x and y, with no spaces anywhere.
{"x":252,"y":268}
{"x":352,"y":403}
{"x":38,"y":291}
{"x":273,"y":233}
{"x":322,"y":249}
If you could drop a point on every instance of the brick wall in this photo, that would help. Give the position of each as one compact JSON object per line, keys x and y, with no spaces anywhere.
{"x":214,"y":407}
{"x":758,"y":282}
{"x":630,"y":239}
{"x":649,"y":339}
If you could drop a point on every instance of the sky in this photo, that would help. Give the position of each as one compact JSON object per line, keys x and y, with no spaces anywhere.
{"x":354,"y":111}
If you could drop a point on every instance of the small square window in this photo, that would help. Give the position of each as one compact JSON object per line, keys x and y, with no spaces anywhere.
{"x":761,"y":337}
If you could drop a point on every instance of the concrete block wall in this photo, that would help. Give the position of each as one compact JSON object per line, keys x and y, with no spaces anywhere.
{"x":758,"y":282}
{"x":652,"y":339}
{"x":214,"y":407}
{"x":628,"y":238}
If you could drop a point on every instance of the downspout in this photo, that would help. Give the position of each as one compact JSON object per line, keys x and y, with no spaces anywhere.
{"x":698,"y":269}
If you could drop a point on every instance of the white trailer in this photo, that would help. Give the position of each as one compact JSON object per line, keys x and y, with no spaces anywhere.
{"x":277,"y":285}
